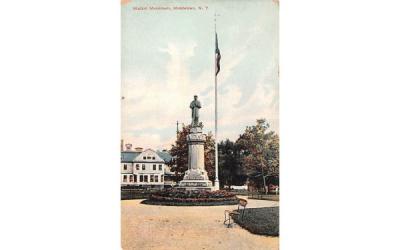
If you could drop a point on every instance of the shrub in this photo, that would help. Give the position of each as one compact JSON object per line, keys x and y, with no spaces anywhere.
{"x":196,"y":196}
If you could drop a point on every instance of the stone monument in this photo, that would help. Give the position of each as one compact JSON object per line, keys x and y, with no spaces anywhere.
{"x":196,"y":177}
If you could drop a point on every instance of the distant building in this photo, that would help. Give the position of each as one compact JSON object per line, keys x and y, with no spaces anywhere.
{"x":144,"y":168}
{"x":169,"y":176}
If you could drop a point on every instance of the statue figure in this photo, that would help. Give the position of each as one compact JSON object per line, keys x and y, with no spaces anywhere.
{"x":195,"y":105}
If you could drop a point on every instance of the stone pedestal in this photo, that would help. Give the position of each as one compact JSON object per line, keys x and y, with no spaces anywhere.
{"x":196,"y":176}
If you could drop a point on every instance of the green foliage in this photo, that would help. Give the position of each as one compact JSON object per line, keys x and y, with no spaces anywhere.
{"x":273,"y":155}
{"x":209,"y":156}
{"x":254,"y":154}
{"x":179,"y":152}
{"x":229,"y":164}
{"x":259,"y":152}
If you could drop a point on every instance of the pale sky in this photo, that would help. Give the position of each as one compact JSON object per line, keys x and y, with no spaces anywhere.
{"x":168,"y":56}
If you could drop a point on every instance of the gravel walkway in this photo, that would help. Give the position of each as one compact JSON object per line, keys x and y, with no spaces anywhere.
{"x":168,"y":227}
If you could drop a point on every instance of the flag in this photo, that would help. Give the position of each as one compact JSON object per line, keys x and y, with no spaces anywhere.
{"x":217,"y":56}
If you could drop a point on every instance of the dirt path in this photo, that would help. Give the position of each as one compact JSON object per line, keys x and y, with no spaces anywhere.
{"x":168,"y":227}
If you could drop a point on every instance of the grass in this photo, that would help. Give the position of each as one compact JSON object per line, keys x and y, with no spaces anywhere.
{"x":263,"y":220}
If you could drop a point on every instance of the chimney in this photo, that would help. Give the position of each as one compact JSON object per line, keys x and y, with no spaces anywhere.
{"x":128,"y":147}
{"x":139,"y":149}
{"x":122,"y":145}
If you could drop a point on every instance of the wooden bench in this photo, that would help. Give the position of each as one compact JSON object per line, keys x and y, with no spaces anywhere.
{"x":228,"y":221}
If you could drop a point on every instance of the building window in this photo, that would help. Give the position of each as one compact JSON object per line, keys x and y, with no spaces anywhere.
{"x":141,"y":178}
{"x":154,"y":158}
{"x":146,"y":178}
{"x":137,"y":166}
{"x":151,"y":178}
{"x":154,"y":167}
{"x":162,"y":178}
{"x":156,"y":180}
{"x":124,"y":178}
{"x":125,"y":167}
{"x":143,"y":167}
{"x":134,"y":178}
{"x":130,"y":178}
{"x":160,"y":167}
{"x":144,"y":157}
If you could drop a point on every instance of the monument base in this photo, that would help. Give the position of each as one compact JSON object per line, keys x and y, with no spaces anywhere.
{"x":195,"y":185}
{"x":196,"y":179}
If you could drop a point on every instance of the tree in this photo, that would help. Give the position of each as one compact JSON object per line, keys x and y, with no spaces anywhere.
{"x":179,"y":152}
{"x":209,"y":156}
{"x":273,"y":155}
{"x":226,"y":151}
{"x":231,"y":173}
{"x":259,"y":151}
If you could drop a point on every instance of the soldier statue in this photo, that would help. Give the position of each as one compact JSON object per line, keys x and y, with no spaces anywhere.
{"x":195,"y":105}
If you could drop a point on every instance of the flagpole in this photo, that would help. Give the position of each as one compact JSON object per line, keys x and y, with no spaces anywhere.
{"x":216,"y":182}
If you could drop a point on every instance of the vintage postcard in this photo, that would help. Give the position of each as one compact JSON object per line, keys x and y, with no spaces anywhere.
{"x":200,"y":124}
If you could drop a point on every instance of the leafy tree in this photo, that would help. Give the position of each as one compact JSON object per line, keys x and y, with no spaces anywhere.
{"x":179,"y":152}
{"x":259,"y":152}
{"x":273,"y":155}
{"x":209,"y":157}
{"x":255,"y":154}
{"x":229,"y":159}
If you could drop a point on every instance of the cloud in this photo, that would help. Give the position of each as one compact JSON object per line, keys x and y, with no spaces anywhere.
{"x":157,"y":105}
{"x":166,"y":67}
{"x":261,"y":104}
{"x":147,"y":140}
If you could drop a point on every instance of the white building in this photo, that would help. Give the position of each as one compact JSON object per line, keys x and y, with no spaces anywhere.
{"x":142,"y":168}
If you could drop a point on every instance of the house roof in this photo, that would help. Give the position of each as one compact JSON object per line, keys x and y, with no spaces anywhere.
{"x":129,"y":156}
{"x":165,"y":156}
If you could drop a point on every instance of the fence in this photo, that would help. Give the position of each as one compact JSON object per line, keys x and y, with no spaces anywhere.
{"x":263,"y":196}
